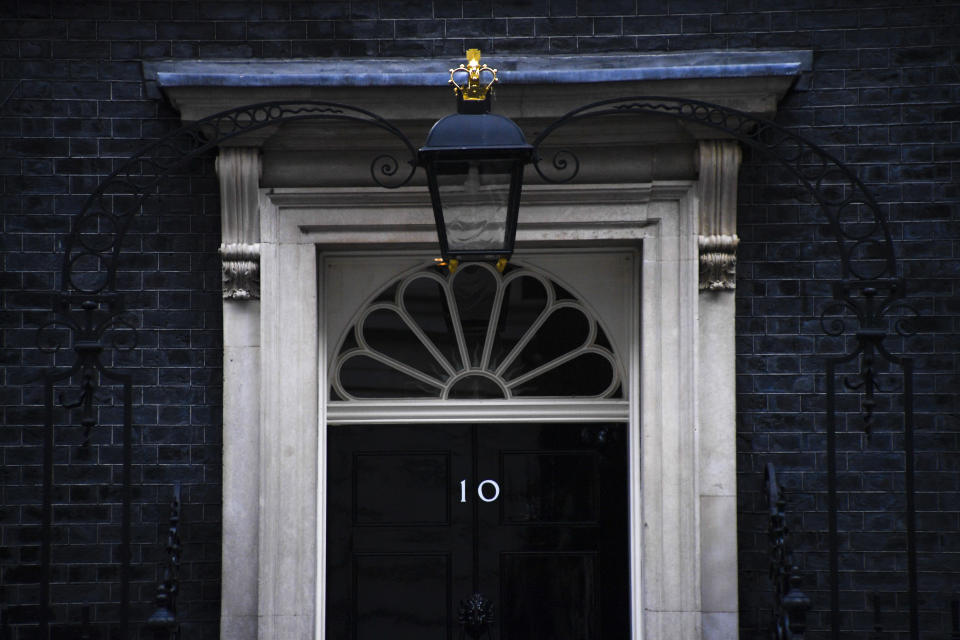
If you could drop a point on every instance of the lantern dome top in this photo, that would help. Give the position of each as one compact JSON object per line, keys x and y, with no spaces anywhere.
{"x":474,"y":132}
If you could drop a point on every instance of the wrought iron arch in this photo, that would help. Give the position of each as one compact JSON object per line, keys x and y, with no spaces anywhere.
{"x":94,"y":312}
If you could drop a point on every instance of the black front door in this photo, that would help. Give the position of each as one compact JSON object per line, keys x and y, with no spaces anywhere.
{"x":533,"y":517}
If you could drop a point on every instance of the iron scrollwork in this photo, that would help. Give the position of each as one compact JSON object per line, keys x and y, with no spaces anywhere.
{"x":877,"y":307}
{"x":165,"y":616}
{"x":869,"y":286}
{"x":89,"y":305}
{"x":790,"y":603}
{"x":93,"y":247}
{"x":865,"y":248}
{"x":89,"y":313}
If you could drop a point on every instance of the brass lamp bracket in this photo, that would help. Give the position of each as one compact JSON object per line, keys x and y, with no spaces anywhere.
{"x":472,"y":86}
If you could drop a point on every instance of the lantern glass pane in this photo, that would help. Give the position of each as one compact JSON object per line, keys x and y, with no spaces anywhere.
{"x":474,"y":201}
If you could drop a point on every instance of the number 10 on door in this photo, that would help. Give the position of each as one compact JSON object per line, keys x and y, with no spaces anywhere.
{"x":488,"y":490}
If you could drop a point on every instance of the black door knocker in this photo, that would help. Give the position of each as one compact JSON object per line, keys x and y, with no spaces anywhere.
{"x":476,"y":617}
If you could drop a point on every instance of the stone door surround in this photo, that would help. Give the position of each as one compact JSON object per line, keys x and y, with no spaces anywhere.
{"x":291,"y":192}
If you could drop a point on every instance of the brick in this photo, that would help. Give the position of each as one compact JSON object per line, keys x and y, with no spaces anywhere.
{"x":609,"y":26}
{"x":563,"y":45}
{"x":605,"y":7}
{"x":186,"y":30}
{"x":519,"y":8}
{"x":695,"y":24}
{"x":126,"y":31}
{"x":320,"y":30}
{"x":659,"y":25}
{"x":33,"y":29}
{"x":415,"y":29}
{"x":523,"y":27}
{"x":827,"y":19}
{"x":225,"y":50}
{"x":607,"y":44}
{"x":229,"y":10}
{"x":319,"y":10}
{"x":275,"y":10}
{"x":727,"y":23}
{"x":562,"y":26}
{"x":475,"y":28}
{"x":276,"y":30}
{"x":561,"y":8}
{"x":872,"y":115}
{"x":694,"y":6}
{"x":365,"y":29}
{"x":232,"y":30}
{"x":405,"y":9}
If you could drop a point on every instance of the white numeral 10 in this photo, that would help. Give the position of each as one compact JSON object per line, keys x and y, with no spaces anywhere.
{"x":481,"y":492}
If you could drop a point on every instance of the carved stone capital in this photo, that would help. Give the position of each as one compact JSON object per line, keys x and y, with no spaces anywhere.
{"x":718,"y":262}
{"x":241,"y":271}
{"x":719,"y":168}
{"x":239,"y":171}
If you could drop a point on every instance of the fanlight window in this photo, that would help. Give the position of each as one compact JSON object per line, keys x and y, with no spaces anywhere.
{"x":475,"y":334}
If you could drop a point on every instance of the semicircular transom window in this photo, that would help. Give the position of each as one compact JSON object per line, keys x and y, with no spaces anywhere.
{"x":475,"y":334}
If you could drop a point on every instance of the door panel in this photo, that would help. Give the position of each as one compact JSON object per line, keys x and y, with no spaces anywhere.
{"x":555,"y":549}
{"x":418,"y":483}
{"x":545,"y":539}
{"x":401,"y":595}
{"x":536,"y":604}
{"x":396,"y":561}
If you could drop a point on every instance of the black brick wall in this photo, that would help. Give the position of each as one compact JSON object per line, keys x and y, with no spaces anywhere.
{"x":883,"y":96}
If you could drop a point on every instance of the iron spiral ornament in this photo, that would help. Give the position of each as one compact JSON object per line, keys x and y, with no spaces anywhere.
{"x":856,"y":220}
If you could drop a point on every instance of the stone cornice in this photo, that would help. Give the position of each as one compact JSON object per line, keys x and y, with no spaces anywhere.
{"x":532,"y":87}
{"x":517,"y":69}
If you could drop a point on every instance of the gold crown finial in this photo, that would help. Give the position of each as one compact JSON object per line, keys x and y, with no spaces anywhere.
{"x":473,"y":88}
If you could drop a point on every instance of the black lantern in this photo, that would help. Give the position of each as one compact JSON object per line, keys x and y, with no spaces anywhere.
{"x":474,"y":162}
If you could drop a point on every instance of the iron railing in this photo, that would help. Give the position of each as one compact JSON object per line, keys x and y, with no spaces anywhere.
{"x":90,"y":316}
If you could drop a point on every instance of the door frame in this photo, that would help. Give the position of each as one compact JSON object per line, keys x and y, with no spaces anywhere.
{"x":581,"y":270}
{"x":274,"y":487}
